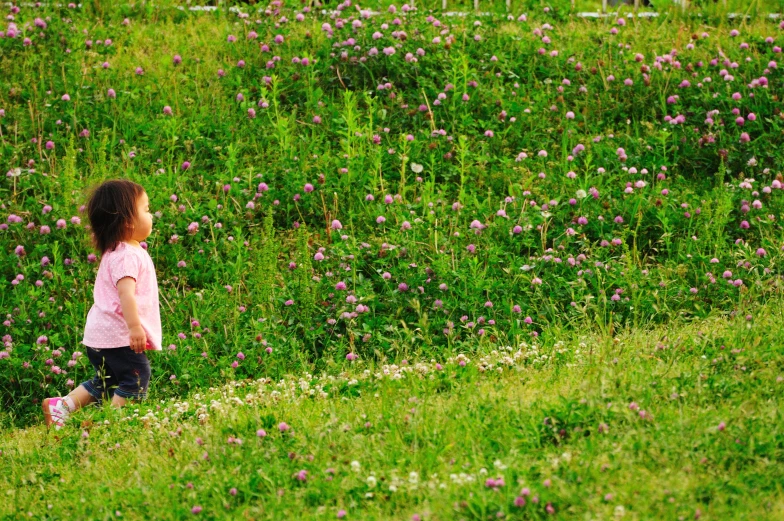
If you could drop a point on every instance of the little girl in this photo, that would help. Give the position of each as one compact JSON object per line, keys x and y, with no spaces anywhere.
{"x":125,"y":318}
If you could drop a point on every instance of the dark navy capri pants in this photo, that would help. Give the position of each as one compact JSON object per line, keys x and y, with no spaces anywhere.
{"x":120,"y":371}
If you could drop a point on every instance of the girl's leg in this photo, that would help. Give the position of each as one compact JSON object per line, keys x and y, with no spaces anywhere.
{"x":78,"y":398}
{"x":133,"y":373}
{"x":57,"y":410}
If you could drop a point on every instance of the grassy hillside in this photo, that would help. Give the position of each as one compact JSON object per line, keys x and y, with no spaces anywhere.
{"x":339,"y":194}
{"x":384,"y":185}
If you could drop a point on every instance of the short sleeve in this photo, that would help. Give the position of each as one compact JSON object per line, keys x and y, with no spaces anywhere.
{"x":126,"y":264}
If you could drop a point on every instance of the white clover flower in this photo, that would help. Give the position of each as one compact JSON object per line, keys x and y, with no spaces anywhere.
{"x":499,"y":464}
{"x":581,"y":194}
{"x":416,"y":168}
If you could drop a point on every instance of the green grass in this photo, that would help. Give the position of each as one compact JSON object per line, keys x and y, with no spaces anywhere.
{"x":558,"y":209}
{"x":537,"y":418}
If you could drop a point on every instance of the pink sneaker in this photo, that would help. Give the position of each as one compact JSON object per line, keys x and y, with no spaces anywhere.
{"x":55,"y":412}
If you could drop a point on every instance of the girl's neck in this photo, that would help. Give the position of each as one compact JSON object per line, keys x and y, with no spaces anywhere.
{"x":132,"y":242}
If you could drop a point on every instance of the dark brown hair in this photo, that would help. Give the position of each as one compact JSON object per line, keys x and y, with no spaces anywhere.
{"x":111,"y":209}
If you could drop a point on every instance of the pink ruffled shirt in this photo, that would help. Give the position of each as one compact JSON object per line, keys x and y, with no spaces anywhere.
{"x":106,"y":326}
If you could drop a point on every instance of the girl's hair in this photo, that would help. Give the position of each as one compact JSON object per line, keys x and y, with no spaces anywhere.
{"x":111,"y":209}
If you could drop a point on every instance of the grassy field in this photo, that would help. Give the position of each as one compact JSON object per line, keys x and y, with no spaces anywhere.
{"x":335,"y":195}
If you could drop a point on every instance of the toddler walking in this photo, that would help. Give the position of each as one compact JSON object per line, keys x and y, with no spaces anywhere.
{"x":125,"y":319}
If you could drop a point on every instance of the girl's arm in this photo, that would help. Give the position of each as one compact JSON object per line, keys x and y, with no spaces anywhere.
{"x":126,"y":287}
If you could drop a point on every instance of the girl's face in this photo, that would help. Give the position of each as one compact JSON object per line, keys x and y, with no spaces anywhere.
{"x":142,"y":226}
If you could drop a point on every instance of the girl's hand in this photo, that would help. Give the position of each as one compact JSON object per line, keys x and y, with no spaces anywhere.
{"x":138,"y":339}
